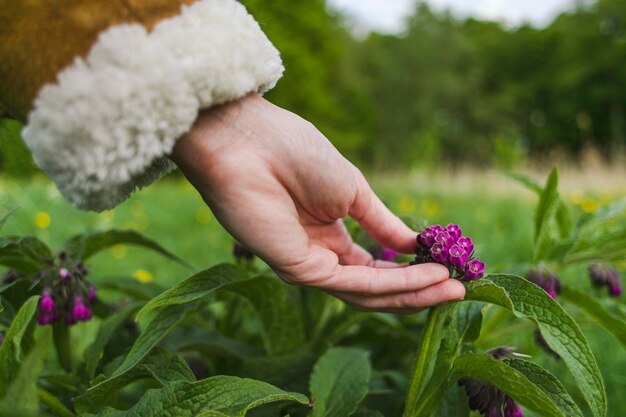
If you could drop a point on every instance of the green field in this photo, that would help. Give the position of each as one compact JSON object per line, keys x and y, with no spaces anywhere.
{"x":172,"y":213}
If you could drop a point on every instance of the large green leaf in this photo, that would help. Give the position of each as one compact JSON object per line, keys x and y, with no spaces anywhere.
{"x":283,"y":328}
{"x":548,"y":383}
{"x":217,"y":396}
{"x":194,"y":287}
{"x":21,"y":396}
{"x":545,"y":216}
{"x":509,"y":380}
{"x":562,"y":334}
{"x":11,"y":350}
{"x":161,"y":365}
{"x":612,"y":319}
{"x":108,"y":327}
{"x":88,"y":244}
{"x":152,"y":333}
{"x":25,"y":254}
{"x":339,"y":382}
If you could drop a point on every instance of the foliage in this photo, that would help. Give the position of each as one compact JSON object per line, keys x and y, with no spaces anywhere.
{"x":234,"y":340}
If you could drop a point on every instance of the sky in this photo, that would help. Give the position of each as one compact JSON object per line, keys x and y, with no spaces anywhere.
{"x":388,"y":15}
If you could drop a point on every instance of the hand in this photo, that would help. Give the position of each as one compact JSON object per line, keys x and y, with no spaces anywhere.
{"x":282,"y":189}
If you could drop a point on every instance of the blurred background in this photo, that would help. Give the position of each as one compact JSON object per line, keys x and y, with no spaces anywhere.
{"x":434,"y":101}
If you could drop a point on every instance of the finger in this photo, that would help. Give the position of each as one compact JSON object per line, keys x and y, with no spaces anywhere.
{"x":321,"y":270}
{"x":448,"y":290}
{"x":384,"y":226}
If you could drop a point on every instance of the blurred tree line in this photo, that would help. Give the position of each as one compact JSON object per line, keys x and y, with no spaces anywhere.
{"x":448,"y":90}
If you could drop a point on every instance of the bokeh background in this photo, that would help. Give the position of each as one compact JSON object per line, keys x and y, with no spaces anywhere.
{"x":434,"y":106}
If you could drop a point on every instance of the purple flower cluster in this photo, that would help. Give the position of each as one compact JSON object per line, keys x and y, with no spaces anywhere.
{"x":450,"y":248}
{"x":487,"y":399}
{"x":604,"y":275}
{"x":66,"y":294}
{"x":545,"y":279}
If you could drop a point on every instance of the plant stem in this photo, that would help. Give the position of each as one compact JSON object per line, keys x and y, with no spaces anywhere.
{"x":425,"y":354}
{"x":63,"y":345}
{"x":53,"y":403}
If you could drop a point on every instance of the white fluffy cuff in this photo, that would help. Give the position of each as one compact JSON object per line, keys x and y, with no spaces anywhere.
{"x":106,"y":127}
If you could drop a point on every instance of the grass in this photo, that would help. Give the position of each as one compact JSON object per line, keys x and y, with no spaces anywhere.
{"x":495,"y":211}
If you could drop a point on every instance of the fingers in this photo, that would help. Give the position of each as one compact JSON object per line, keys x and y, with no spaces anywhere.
{"x":408,"y":302}
{"x":379,"y":221}
{"x":321,"y":269}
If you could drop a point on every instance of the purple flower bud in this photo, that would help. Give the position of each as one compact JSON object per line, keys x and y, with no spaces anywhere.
{"x":458,"y":256}
{"x":92,"y":296}
{"x":615,"y":290}
{"x":439,"y":252}
{"x":388,"y":254}
{"x":427,"y":237}
{"x":445,"y":238}
{"x":604,"y":275}
{"x":546,"y":280}
{"x":46,"y":317}
{"x":64,"y":274}
{"x":474,"y":269}
{"x":46,"y":304}
{"x":436,"y":229}
{"x":81,"y":312}
{"x":454,"y":230}
{"x":466,"y":243}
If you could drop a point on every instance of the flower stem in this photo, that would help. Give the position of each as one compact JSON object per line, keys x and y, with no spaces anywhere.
{"x":63,"y":345}
{"x":425,"y":356}
{"x":53,"y":403}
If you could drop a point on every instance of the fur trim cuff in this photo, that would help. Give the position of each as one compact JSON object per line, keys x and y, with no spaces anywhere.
{"x":106,"y":127}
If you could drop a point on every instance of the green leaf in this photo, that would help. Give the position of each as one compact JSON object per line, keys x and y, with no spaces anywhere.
{"x":339,"y":382}
{"x":548,"y":384}
{"x":107,"y":330}
{"x":217,"y":396}
{"x":88,"y":244}
{"x":21,"y":396}
{"x":612,"y":320}
{"x":212,"y":344}
{"x":25,"y":254}
{"x":290,"y":371}
{"x":4,"y":218}
{"x":562,"y":334}
{"x":507,"y":379}
{"x":454,"y":403}
{"x":194,"y":287}
{"x":545,"y":216}
{"x":153,"y":332}
{"x":143,"y":291}
{"x":11,"y":348}
{"x":161,"y":365}
{"x":283,"y":327}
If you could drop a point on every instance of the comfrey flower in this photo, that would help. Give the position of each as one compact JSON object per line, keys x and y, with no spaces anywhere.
{"x":450,"y":248}
{"x":604,"y":275}
{"x":546,"y":280}
{"x":66,"y":294}
{"x":487,"y":399}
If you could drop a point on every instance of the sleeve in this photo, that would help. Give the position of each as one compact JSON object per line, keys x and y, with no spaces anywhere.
{"x":107,"y":86}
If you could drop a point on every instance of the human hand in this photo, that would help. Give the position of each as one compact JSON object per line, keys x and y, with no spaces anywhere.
{"x":282,"y":189}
